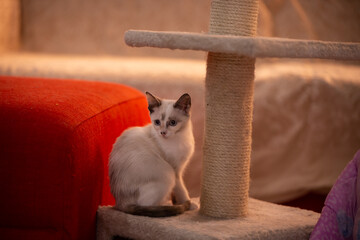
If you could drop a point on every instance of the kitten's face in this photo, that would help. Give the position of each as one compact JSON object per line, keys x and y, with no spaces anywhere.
{"x":169,"y":116}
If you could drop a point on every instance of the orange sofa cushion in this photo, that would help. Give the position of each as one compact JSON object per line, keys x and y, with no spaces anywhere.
{"x":55,"y":139}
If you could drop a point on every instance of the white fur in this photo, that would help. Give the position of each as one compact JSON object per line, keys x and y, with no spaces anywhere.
{"x":146,"y":166}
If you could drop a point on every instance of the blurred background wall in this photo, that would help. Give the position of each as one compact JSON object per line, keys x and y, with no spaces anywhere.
{"x":9,"y":25}
{"x":98,"y":26}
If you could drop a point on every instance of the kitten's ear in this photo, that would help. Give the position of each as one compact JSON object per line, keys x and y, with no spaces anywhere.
{"x":152,"y":101}
{"x":184,"y":103}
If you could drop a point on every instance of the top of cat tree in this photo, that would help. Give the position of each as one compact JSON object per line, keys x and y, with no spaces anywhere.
{"x":244,"y":46}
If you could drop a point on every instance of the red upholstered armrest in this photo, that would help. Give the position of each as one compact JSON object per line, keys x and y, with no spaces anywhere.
{"x":55,"y":139}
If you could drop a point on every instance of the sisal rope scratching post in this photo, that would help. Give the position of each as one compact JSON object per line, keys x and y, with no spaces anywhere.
{"x":229,"y":104}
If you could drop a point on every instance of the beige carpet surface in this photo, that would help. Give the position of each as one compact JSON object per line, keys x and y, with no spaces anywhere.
{"x":265,"y":221}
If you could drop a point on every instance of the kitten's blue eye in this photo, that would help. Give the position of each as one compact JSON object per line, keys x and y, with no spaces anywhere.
{"x":172,"y":123}
{"x":157,"y":122}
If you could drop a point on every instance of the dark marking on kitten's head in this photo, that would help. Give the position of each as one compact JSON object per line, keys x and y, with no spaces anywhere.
{"x":184,"y":103}
{"x":153,"y":102}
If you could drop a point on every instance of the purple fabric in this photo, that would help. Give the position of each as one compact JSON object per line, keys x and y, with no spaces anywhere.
{"x":340,"y":216}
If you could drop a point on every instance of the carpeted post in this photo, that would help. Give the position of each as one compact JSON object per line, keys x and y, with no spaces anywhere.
{"x":229,"y":105}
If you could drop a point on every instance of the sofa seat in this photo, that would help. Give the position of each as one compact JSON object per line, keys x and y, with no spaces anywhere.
{"x":55,"y":139}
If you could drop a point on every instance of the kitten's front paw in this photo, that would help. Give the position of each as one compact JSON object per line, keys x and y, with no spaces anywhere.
{"x":193,"y":206}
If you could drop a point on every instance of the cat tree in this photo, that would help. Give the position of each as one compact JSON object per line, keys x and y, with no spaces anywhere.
{"x":229,"y":88}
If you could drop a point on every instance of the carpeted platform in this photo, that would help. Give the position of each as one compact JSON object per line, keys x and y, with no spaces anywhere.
{"x":264,"y":221}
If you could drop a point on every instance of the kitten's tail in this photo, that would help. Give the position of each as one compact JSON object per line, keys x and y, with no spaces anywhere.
{"x":158,"y":211}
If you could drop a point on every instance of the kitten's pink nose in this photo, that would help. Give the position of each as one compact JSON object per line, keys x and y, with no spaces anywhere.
{"x":163,"y":133}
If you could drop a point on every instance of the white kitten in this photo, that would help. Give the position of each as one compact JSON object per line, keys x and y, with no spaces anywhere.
{"x":147,"y":163}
